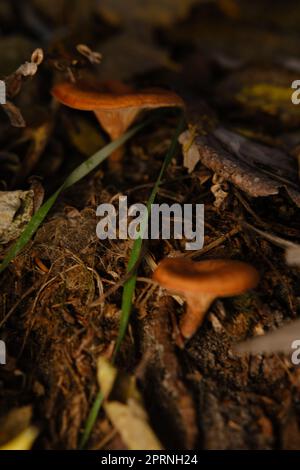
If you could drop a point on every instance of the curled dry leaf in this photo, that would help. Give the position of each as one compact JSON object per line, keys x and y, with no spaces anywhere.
{"x":16,"y":209}
{"x":14,"y":83}
{"x":92,"y":56}
{"x":37,"y":56}
{"x":217,"y":189}
{"x":127,"y":414}
{"x":28,"y":69}
{"x":257,"y":169}
{"x":190,"y":149}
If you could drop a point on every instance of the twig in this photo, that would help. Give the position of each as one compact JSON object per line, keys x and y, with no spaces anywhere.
{"x":213,"y":244}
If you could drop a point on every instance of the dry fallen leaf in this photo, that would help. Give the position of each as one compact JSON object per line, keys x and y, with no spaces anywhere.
{"x":132,"y":423}
{"x":257,"y":169}
{"x":22,"y":441}
{"x":94,"y":57}
{"x":218,"y":189}
{"x":16,"y":433}
{"x":126,"y":413}
{"x":190,"y":149}
{"x":14,"y":83}
{"x":106,"y":375}
{"x":16,"y":209}
{"x":84,"y":136}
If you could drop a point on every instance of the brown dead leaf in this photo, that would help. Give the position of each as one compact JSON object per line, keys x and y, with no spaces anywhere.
{"x":257,"y":169}
{"x":14,"y":83}
{"x":127,"y":413}
{"x":22,"y":441}
{"x":14,"y":422}
{"x":132,"y":423}
{"x":16,"y":209}
{"x":84,"y":136}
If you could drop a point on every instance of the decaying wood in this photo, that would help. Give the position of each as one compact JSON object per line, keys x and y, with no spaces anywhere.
{"x":256,"y":169}
{"x":170,"y":401}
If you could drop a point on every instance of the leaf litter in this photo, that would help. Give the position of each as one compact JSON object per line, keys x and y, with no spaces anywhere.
{"x":54,"y":313}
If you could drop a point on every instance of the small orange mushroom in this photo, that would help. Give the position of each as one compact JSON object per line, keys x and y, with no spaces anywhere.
{"x":115,"y":105}
{"x":200,"y":283}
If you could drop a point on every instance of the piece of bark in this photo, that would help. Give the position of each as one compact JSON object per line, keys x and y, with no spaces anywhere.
{"x":164,"y":389}
{"x":254,"y":168}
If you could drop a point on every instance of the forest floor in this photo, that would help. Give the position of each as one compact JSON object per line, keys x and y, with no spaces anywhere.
{"x":217,"y":57}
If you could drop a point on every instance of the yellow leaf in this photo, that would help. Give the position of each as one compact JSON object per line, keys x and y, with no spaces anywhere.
{"x":22,"y":441}
{"x":131,"y":421}
{"x":126,"y":412}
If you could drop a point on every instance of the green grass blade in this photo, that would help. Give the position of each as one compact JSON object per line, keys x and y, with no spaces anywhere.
{"x":80,"y":172}
{"x":129,"y":286}
{"x":29,"y":231}
{"x":91,"y":163}
{"x":91,"y":420}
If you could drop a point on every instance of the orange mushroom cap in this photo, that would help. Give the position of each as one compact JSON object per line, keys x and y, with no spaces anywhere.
{"x":200,"y":283}
{"x":115,"y":105}
{"x":82,"y":97}
{"x":220,"y":277}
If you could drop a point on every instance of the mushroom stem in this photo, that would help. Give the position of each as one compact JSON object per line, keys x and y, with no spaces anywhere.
{"x":116,"y":123}
{"x":115,"y":160}
{"x":196,"y":309}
